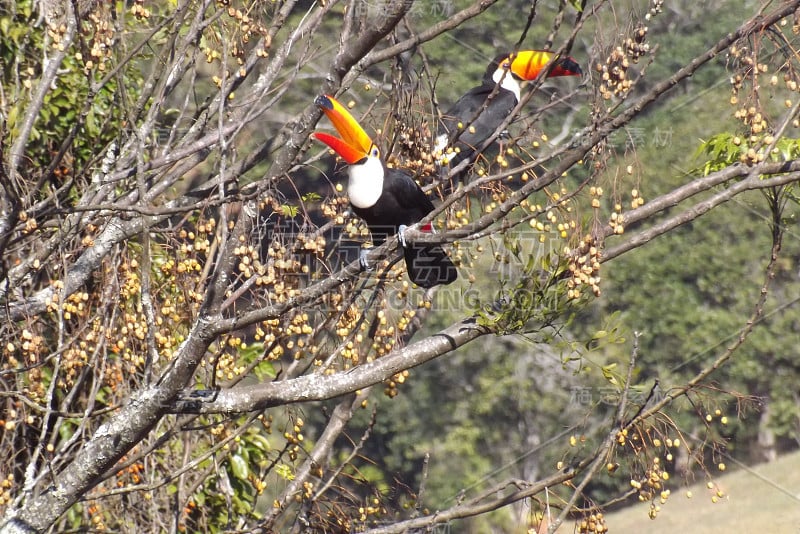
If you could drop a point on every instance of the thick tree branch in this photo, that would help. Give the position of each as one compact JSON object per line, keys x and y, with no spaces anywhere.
{"x":108,"y":444}
{"x":753,"y":182}
{"x":312,"y":387}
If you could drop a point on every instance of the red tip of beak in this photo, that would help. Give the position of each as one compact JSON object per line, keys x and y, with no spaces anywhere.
{"x":348,"y":153}
{"x":566,"y":66}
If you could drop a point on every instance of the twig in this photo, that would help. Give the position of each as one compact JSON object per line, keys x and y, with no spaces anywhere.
{"x":607,"y":445}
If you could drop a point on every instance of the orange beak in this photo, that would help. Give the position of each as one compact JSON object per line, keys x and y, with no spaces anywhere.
{"x":354,"y":143}
{"x":527,"y":64}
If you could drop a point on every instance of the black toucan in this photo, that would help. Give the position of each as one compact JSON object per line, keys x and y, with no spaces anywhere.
{"x":475,"y":117}
{"x":387,"y":199}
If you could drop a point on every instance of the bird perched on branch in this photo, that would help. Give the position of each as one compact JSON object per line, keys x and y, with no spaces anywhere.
{"x":477,"y":115}
{"x":387,"y":199}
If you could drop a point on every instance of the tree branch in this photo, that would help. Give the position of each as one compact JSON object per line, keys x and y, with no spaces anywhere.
{"x":305,"y":388}
{"x":753,"y":182}
{"x":473,"y":508}
{"x":339,"y":419}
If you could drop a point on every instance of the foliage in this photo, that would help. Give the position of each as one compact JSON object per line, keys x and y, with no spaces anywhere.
{"x":85,"y":102}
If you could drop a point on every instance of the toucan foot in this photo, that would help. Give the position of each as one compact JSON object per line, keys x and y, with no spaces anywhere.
{"x":362,"y":259}
{"x":401,"y":235}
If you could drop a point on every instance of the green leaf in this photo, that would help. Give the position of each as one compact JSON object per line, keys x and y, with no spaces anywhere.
{"x":260,"y":442}
{"x":608,"y":373}
{"x":264,"y":370}
{"x":284,"y":471}
{"x":600,"y":334}
{"x":239,"y":467}
{"x":251,"y":352}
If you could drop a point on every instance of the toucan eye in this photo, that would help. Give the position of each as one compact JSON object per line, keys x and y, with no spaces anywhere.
{"x":374,"y":152}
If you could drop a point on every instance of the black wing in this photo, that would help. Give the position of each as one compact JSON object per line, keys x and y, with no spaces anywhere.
{"x":401,"y":202}
{"x":475,"y":133}
{"x":410,"y":197}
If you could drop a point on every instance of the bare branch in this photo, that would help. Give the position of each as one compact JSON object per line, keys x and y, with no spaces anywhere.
{"x":314,"y":387}
{"x":317,"y":457}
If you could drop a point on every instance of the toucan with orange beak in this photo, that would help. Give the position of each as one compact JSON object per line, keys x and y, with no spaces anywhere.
{"x":387,"y":199}
{"x":475,"y":116}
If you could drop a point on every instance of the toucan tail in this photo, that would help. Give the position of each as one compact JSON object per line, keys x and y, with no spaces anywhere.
{"x":429,"y":265}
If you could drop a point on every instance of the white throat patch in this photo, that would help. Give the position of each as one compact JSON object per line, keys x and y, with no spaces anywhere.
{"x":509,"y":82}
{"x":365,"y":185}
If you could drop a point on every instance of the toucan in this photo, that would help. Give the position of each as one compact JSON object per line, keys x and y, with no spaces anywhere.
{"x":475,"y":117}
{"x":387,"y":199}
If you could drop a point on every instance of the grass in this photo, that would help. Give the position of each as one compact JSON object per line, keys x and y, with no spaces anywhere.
{"x":761,"y":498}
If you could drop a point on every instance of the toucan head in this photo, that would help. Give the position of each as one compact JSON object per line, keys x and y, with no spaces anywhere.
{"x":527,"y":64}
{"x":354,"y":145}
